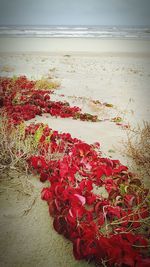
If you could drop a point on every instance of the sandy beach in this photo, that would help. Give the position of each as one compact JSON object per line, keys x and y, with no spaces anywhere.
{"x":111,"y":71}
{"x":74,"y":45}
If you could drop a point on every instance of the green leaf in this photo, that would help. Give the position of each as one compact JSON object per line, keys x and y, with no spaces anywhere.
{"x":38,"y":134}
{"x":123,"y":189}
{"x":116,"y":119}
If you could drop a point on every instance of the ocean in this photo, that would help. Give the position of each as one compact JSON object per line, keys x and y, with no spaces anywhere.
{"x":76,"y":32}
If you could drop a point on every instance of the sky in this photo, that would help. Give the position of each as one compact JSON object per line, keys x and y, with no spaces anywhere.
{"x":77,"y":12}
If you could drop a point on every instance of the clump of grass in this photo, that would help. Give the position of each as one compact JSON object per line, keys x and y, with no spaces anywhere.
{"x":7,"y":69}
{"x":137,"y":147}
{"x":46,"y":84}
{"x":15,"y":148}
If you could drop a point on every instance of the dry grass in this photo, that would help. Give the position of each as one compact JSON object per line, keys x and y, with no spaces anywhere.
{"x":137,"y":148}
{"x":46,"y":84}
{"x":15,"y":148}
{"x":7,"y":69}
{"x":15,"y":178}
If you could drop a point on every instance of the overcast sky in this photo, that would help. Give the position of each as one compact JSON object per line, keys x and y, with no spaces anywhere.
{"x":77,"y":12}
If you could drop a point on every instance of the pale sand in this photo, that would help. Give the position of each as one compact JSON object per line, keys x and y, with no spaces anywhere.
{"x":113,"y":71}
{"x":82,"y":45}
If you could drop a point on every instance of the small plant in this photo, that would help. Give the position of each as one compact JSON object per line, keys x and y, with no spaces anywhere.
{"x":15,"y":147}
{"x":46,"y":84}
{"x":137,"y":148}
{"x":6,"y":68}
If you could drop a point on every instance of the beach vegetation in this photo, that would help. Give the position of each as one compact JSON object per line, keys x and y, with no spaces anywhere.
{"x":46,"y":84}
{"x":137,"y":148}
{"x":96,"y":202}
{"x":15,"y":146}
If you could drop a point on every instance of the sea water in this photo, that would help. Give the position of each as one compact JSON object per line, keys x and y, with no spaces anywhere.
{"x":76,"y":31}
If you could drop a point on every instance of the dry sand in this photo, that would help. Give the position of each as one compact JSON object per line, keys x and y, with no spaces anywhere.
{"x":121,"y":78}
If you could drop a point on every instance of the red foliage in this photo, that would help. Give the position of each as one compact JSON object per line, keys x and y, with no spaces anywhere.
{"x":101,"y":228}
{"x":90,"y":220}
{"x":23,"y":102}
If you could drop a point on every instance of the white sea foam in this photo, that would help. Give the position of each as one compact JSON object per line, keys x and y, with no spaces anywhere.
{"x":72,"y":31}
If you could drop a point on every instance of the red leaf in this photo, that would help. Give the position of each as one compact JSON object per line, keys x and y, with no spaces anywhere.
{"x":81,"y":198}
{"x":46,"y":194}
